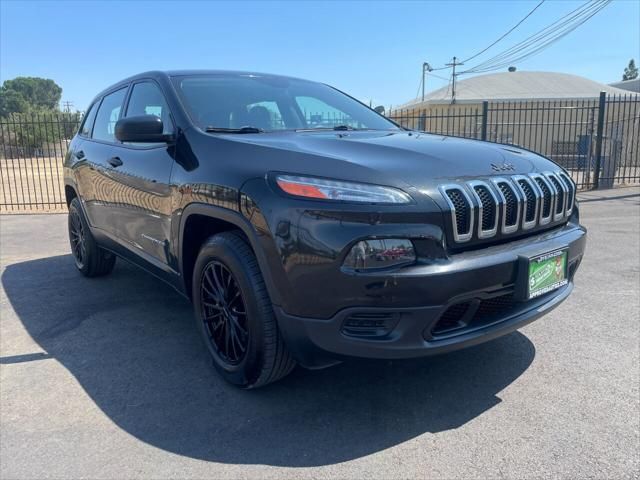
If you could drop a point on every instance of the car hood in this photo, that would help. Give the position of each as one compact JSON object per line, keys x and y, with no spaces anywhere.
{"x":413,"y":158}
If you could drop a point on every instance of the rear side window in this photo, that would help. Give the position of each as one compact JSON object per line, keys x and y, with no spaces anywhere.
{"x":147,"y":99}
{"x":319,"y":114}
{"x":107,"y":116}
{"x":87,"y":123}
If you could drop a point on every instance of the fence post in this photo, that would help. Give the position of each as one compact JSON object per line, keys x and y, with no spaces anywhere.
{"x":485,"y":115}
{"x":599,"y":133}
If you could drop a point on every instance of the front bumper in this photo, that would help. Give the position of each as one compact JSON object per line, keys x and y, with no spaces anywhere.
{"x":468,"y":277}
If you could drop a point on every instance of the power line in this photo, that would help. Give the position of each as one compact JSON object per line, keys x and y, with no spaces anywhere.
{"x":543,"y":38}
{"x":537,"y":49}
{"x":503,"y":36}
{"x":540,"y":48}
{"x":539,"y":35}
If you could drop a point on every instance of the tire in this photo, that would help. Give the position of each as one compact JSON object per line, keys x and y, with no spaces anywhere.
{"x":226,"y":260}
{"x":90,"y":259}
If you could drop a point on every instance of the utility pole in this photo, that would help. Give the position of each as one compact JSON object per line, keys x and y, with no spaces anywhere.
{"x":453,"y":78}
{"x":425,"y":68}
{"x":67,"y":106}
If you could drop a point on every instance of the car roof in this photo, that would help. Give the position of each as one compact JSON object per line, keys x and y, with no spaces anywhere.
{"x":176,"y":73}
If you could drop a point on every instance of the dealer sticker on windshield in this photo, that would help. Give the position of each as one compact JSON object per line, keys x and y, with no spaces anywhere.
{"x":547,"y":272}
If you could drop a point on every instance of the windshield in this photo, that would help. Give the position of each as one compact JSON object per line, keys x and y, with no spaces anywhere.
{"x":228,"y":101}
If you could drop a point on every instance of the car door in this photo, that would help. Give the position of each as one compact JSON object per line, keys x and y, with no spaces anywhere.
{"x":95,"y":157}
{"x":142,"y":209}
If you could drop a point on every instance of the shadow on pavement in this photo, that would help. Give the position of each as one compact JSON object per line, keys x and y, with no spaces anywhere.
{"x":131,"y":343}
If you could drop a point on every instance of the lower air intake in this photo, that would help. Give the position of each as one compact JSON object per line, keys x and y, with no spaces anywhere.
{"x":370,"y":324}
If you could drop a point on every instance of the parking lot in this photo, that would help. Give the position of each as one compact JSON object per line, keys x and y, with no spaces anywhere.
{"x":107,"y":378}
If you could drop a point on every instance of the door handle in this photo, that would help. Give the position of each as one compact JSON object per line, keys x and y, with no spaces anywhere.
{"x":115,"y":162}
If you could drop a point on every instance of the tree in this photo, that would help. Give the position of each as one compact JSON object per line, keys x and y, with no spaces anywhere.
{"x":31,"y":105}
{"x":631,"y":72}
{"x":27,"y":94}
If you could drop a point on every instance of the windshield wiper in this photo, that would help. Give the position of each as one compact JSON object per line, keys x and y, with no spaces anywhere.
{"x":338,"y":128}
{"x":233,"y":130}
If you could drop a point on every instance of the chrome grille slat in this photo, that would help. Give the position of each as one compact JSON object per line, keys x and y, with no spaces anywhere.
{"x":467,"y":233}
{"x":530,"y":195}
{"x":559,"y":204}
{"x":508,"y":204}
{"x":546,"y":203}
{"x":506,"y":190}
{"x":571,"y":193}
{"x":487,"y":208}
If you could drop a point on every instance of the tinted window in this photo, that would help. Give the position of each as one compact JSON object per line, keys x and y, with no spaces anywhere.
{"x":147,"y":99}
{"x":271,"y":103}
{"x":108,"y":115}
{"x":87,"y":122}
{"x":320,"y":114}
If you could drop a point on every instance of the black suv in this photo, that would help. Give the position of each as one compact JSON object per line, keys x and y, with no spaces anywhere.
{"x":305,"y":227}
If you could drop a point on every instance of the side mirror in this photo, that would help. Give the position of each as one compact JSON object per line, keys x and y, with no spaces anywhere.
{"x":141,"y":129}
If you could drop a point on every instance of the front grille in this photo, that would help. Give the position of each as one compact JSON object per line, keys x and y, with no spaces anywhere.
{"x":546,"y":197}
{"x":559,"y":193}
{"x":489,"y":207}
{"x":511,"y":204}
{"x":531,"y":200}
{"x":570,"y":191}
{"x":461,"y":211}
{"x":515,"y":203}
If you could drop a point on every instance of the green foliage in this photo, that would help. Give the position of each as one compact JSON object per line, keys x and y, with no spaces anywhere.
{"x":25,"y":94}
{"x":12,"y":101}
{"x":30,"y":115}
{"x":631,"y":72}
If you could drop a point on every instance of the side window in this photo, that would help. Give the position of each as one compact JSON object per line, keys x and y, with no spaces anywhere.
{"x":318,"y":114}
{"x":264,"y":115}
{"x":107,"y":116}
{"x":147,"y":99}
{"x":87,"y":122}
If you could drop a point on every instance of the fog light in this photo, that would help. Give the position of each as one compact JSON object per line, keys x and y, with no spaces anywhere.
{"x":384,"y":253}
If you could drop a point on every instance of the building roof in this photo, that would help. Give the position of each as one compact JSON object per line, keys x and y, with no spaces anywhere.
{"x":518,"y":86}
{"x":630,"y":85}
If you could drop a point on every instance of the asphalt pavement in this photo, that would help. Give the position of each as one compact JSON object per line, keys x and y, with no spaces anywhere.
{"x":107,"y":378}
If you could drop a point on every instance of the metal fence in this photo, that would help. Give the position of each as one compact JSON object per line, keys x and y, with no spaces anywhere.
{"x":596,"y":140}
{"x":32,"y":149}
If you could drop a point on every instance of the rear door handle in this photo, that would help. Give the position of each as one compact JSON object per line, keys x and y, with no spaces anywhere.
{"x":115,"y":162}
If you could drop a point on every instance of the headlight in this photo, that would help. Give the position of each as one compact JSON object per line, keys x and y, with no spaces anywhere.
{"x":324,"y":189}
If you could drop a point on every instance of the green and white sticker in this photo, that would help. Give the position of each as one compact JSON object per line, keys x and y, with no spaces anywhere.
{"x":547,"y":272}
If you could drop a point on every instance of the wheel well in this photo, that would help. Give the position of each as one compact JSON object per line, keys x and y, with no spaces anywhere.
{"x":69,"y":194}
{"x":197,"y":229}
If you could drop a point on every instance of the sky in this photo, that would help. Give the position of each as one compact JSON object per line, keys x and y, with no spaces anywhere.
{"x":372,"y":50}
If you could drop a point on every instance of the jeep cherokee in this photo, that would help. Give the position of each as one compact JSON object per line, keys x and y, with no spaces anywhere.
{"x":307,"y":228}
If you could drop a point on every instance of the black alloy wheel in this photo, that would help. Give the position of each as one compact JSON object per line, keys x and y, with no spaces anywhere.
{"x":77,"y":238}
{"x":90,"y":259}
{"x":224,"y":313}
{"x":234,"y":313}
